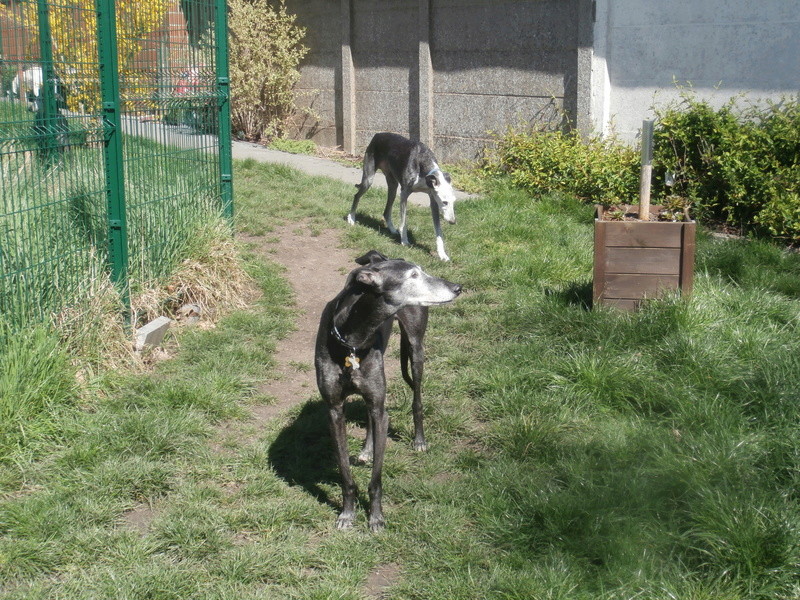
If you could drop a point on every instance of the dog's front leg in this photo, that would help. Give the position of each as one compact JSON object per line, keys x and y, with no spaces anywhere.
{"x":380,"y":430}
{"x":404,"y":194}
{"x":437,"y":227}
{"x":349,"y":490}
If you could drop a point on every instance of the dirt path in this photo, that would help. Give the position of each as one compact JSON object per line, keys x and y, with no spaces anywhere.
{"x":316,"y":268}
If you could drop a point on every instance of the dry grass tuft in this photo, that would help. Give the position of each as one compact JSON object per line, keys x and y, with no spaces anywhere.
{"x":209,"y":284}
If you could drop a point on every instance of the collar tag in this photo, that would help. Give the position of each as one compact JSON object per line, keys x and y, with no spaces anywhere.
{"x":352,"y":361}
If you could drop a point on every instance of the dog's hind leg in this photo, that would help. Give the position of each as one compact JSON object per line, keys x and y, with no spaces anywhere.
{"x":367,"y":175}
{"x":349,"y":490}
{"x":391,"y":183}
{"x":404,"y":194}
{"x":413,"y":324}
{"x":365,"y":455}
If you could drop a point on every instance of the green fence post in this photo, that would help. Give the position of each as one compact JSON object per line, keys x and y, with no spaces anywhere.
{"x":112,"y":150}
{"x":224,"y":94}
{"x":46,"y":113}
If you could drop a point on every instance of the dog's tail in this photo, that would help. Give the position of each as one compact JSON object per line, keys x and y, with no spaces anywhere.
{"x":367,"y":168}
{"x":404,"y":360}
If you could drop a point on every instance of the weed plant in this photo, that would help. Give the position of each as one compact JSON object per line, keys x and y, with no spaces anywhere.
{"x":576,"y":452}
{"x":294,"y":146}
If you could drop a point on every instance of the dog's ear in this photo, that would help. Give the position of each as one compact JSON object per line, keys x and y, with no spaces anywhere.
{"x":447,"y":177}
{"x":369,"y":277}
{"x":431,"y":181}
{"x":371,"y":257}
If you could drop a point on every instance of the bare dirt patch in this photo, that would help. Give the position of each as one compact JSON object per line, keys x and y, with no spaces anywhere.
{"x":316,"y":268}
{"x":380,"y":580}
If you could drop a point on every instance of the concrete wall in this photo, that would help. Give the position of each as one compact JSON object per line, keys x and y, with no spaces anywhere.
{"x":443,"y":71}
{"x":449,"y":71}
{"x":723,"y":47}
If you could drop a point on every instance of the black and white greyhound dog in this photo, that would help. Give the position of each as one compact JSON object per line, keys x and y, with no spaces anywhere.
{"x":352,"y":338}
{"x":412,"y":166}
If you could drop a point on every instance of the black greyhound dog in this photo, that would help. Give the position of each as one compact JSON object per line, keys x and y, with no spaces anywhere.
{"x":412,"y":166}
{"x":352,"y":338}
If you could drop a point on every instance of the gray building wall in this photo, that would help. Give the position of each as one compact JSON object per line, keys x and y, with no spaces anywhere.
{"x":450,"y":71}
{"x":447,"y":72}
{"x":722,"y":48}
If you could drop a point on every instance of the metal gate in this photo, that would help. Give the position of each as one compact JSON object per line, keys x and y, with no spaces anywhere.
{"x":114,"y":144}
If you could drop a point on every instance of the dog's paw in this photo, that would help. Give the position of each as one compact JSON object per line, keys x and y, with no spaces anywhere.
{"x":376,"y":524}
{"x":420,"y":446}
{"x":351,"y":219}
{"x":345,"y":521}
{"x":390,"y":227}
{"x":364,"y":457}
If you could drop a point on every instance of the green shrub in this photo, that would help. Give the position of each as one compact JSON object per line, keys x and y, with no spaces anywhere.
{"x":737,"y":165}
{"x":294,"y":146}
{"x":594,"y":170}
{"x":265,"y":51}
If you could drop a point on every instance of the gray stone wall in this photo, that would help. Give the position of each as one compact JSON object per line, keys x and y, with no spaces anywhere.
{"x":447,"y":72}
{"x":450,"y":71}
{"x":721,"y":48}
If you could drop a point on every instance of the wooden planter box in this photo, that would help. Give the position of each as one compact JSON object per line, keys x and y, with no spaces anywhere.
{"x":641,"y":259}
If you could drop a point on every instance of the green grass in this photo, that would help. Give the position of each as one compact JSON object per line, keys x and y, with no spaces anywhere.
{"x":575,"y":453}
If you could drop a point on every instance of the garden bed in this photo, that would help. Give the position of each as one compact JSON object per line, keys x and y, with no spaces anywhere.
{"x":635,"y":259}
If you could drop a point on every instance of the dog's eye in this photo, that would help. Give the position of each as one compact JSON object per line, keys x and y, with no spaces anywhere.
{"x":414,"y":274}
{"x":445,"y":203}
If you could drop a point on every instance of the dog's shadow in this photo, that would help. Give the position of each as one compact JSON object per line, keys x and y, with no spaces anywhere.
{"x":379,"y":226}
{"x":302,"y":454}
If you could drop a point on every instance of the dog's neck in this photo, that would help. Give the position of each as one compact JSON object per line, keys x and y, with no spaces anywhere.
{"x":357,"y":318}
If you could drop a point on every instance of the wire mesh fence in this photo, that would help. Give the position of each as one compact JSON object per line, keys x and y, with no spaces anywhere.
{"x":114,"y":144}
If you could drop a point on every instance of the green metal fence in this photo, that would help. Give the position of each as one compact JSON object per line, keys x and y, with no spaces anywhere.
{"x":114,"y":145}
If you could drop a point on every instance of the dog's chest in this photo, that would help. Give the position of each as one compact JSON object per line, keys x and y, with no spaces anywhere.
{"x":364,"y":375}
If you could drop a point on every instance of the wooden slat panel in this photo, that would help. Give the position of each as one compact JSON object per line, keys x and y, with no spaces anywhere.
{"x":599,"y":259}
{"x":638,"y":286}
{"x":638,"y":234}
{"x":621,"y":303}
{"x":687,"y":259}
{"x":658,"y":261}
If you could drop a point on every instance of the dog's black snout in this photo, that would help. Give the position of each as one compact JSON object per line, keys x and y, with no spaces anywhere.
{"x":456,"y":289}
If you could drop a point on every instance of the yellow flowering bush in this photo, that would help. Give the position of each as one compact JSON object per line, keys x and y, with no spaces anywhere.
{"x":265,"y":52}
{"x":74,"y":36}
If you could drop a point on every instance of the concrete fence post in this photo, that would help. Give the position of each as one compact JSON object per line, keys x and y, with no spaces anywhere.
{"x":425,"y":65}
{"x":348,"y":84}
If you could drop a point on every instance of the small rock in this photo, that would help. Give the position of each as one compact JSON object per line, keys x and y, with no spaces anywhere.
{"x":189,"y":311}
{"x":152,"y":334}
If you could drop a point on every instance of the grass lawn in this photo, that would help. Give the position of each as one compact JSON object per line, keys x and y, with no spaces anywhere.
{"x":575,"y":453}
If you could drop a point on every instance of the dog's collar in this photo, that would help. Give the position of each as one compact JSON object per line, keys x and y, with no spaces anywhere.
{"x":351,"y":361}
{"x":432,"y":171}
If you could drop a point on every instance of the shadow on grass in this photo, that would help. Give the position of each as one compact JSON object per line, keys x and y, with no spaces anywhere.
{"x":578,"y":294}
{"x":379,"y":226}
{"x":302,"y":454}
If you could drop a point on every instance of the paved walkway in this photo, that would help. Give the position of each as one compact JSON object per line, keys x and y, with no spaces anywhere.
{"x":320,"y":166}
